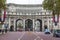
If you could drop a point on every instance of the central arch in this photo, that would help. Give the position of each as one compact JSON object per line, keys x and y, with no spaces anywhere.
{"x":28,"y":25}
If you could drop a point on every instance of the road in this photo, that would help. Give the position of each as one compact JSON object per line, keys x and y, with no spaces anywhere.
{"x":27,"y":36}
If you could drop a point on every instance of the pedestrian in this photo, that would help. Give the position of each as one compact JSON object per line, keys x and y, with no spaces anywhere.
{"x":51,"y":30}
{"x":11,"y":28}
{"x":3,"y":29}
{"x":6,"y":26}
{"x":45,"y":27}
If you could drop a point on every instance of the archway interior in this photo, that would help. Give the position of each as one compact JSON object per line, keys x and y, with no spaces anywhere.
{"x":19,"y":24}
{"x":28,"y":25}
{"x":38,"y":25}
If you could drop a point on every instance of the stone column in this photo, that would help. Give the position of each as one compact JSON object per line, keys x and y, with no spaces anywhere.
{"x":9,"y":22}
{"x":24,"y":24}
{"x":42,"y":24}
{"x":14,"y":23}
{"x":33,"y":24}
{"x":48,"y":22}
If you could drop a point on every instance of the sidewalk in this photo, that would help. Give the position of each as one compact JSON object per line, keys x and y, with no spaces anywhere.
{"x":1,"y":33}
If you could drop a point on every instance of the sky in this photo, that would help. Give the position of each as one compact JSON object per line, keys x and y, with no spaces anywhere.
{"x":25,"y":1}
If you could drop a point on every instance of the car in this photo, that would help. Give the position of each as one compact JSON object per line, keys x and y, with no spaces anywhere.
{"x":47,"y":31}
{"x":56,"y":33}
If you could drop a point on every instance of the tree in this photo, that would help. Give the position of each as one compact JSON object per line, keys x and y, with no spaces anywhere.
{"x":2,"y":7}
{"x":52,"y":5}
{"x":2,"y":4}
{"x":48,"y":5}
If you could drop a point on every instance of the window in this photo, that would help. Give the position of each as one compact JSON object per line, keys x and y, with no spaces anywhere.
{"x":14,"y":13}
{"x":43,"y":13}
{"x":20,"y":13}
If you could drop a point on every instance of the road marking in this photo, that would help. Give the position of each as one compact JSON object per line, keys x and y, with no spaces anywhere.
{"x":21,"y":36}
{"x":18,"y":38}
{"x":41,"y":39}
{"x":37,"y":36}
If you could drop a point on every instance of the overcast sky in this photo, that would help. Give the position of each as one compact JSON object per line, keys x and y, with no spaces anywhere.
{"x":25,"y":1}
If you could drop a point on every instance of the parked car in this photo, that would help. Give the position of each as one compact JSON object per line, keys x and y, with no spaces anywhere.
{"x":47,"y":31}
{"x":56,"y":33}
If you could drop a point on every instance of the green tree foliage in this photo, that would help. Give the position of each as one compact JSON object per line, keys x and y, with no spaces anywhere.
{"x":48,"y":4}
{"x":2,"y":7}
{"x":2,"y":4}
{"x":53,"y":5}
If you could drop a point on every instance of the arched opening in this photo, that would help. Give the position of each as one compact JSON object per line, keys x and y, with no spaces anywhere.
{"x":28,"y":25}
{"x":38,"y":25}
{"x":19,"y":24}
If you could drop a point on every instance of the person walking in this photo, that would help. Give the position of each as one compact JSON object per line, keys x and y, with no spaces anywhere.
{"x":6,"y":26}
{"x":11,"y":28}
{"x":3,"y":28}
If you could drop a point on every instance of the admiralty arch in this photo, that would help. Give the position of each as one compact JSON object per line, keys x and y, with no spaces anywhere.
{"x":29,"y":16}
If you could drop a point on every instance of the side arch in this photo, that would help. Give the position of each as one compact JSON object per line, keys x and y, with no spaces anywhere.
{"x":38,"y":25}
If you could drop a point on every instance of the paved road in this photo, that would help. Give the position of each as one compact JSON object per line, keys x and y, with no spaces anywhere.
{"x":27,"y":36}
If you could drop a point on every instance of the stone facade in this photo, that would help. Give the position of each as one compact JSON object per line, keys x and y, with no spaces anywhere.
{"x":35,"y":13}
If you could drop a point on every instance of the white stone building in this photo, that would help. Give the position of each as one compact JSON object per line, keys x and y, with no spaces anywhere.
{"x":30,"y":16}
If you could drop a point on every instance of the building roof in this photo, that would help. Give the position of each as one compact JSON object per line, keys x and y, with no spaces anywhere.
{"x":25,"y":5}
